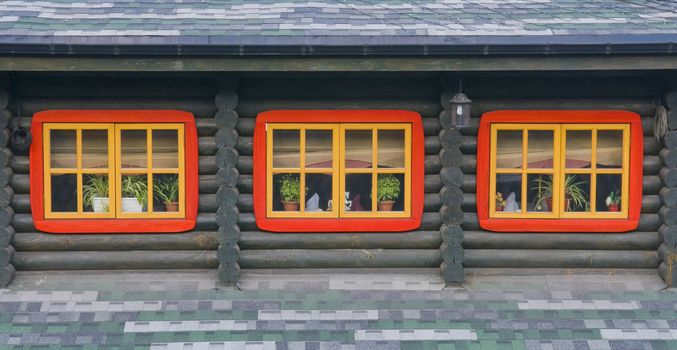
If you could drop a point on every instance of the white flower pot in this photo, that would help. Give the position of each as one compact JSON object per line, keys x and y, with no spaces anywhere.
{"x":131,"y":205}
{"x":100,"y":204}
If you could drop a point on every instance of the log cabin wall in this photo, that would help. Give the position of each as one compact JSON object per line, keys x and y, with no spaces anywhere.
{"x":416,"y":249}
{"x":7,"y":250}
{"x":488,"y":250}
{"x":192,"y":250}
{"x":668,"y":231}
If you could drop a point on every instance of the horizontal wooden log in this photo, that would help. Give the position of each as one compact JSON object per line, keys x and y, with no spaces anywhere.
{"x":651,"y":184}
{"x":119,"y":260}
{"x":246,"y":124}
{"x":668,"y":274}
{"x":340,"y":258}
{"x":115,"y":87}
{"x":206,"y":146}
{"x":668,"y":235}
{"x":473,"y":125}
{"x":204,"y":222}
{"x":651,"y":204}
{"x":669,"y":177}
{"x":523,"y":258}
{"x":644,"y":106}
{"x":21,"y":183}
{"x":562,"y":241}
{"x":388,"y":240}
{"x":647,"y":222}
{"x":560,"y":87}
{"x":426,"y":107}
{"x":201,"y":108}
{"x":7,"y":274}
{"x":340,"y":88}
{"x":38,"y":241}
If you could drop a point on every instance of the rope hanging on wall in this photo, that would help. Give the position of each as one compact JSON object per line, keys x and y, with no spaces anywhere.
{"x":21,"y":138}
{"x":660,"y":126}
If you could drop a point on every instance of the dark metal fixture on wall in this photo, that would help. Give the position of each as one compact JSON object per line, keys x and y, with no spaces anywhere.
{"x":460,"y":108}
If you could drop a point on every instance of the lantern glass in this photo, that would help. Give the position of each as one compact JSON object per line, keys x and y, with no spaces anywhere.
{"x":460,"y":111}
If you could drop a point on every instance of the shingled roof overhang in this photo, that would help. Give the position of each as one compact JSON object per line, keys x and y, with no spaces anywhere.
{"x":341,"y":46}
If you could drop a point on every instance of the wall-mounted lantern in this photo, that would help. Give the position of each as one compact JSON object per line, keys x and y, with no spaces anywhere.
{"x":460,"y":109}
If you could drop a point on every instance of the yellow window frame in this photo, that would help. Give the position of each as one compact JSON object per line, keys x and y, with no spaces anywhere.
{"x":338,"y":170}
{"x":559,"y":171}
{"x":79,"y":171}
{"x":114,"y":170}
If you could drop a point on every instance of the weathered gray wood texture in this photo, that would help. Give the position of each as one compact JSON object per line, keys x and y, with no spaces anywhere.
{"x":420,"y":248}
{"x":7,"y":251}
{"x":226,"y":118}
{"x":40,"y":251}
{"x":637,"y":249}
{"x":668,"y":194}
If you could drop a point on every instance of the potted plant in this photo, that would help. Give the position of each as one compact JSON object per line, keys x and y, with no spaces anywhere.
{"x":613,"y":201}
{"x":388,"y":189}
{"x":500,"y":202}
{"x":574,"y":195}
{"x":95,"y":193}
{"x":134,"y":193}
{"x":290,"y":190}
{"x":166,"y":190}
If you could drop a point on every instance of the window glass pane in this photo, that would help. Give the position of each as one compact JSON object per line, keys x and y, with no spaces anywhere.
{"x":286,"y":148}
{"x":319,"y":148}
{"x":609,"y":192}
{"x":391,"y":148}
{"x":358,"y":148}
{"x":64,"y":193}
{"x":390,"y":192}
{"x":62,"y":149}
{"x":610,"y":148}
{"x":318,"y":192}
{"x":540,"y":150}
{"x":539,"y":195}
{"x":95,"y":195}
{"x":133,"y":146}
{"x":165,"y":149}
{"x":134,"y":193}
{"x":165,"y":192}
{"x":579,"y":148}
{"x":358,"y":192}
{"x":509,"y":149}
{"x":577,"y":192}
{"x":508,"y":192}
{"x":286,"y":192}
{"x":95,"y":149}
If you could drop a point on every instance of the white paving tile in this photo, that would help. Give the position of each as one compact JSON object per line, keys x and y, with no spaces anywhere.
{"x":314,"y":315}
{"x":234,"y":345}
{"x":185,"y":326}
{"x":415,"y":334}
{"x":638,"y":334}
{"x":577,"y":305}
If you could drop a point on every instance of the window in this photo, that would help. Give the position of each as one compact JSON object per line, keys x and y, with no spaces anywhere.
{"x":559,"y":171}
{"x":324,"y":171}
{"x":118,"y":174}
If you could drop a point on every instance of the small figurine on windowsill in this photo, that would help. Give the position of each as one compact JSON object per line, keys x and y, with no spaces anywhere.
{"x":613,"y":201}
{"x":500,"y":202}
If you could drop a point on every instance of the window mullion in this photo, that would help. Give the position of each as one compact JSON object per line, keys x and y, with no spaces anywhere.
{"x":78,"y":166}
{"x":302,"y":173}
{"x":374,"y":170}
{"x":336,"y":170}
{"x":558,"y":176}
{"x":525,"y":145}
{"x":149,"y":169}
{"x":593,"y":173}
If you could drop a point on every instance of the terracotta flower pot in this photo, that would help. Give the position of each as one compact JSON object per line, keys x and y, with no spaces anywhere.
{"x":613,"y":207}
{"x":499,"y":208}
{"x":385,"y":205}
{"x":567,"y":202}
{"x":172,"y":206}
{"x":290,"y":206}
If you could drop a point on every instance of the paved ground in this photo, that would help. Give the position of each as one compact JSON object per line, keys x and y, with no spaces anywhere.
{"x":341,"y":310}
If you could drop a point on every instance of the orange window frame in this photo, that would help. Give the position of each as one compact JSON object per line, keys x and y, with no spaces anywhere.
{"x":377,"y":223}
{"x":566,"y":223}
{"x":114,"y":225}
